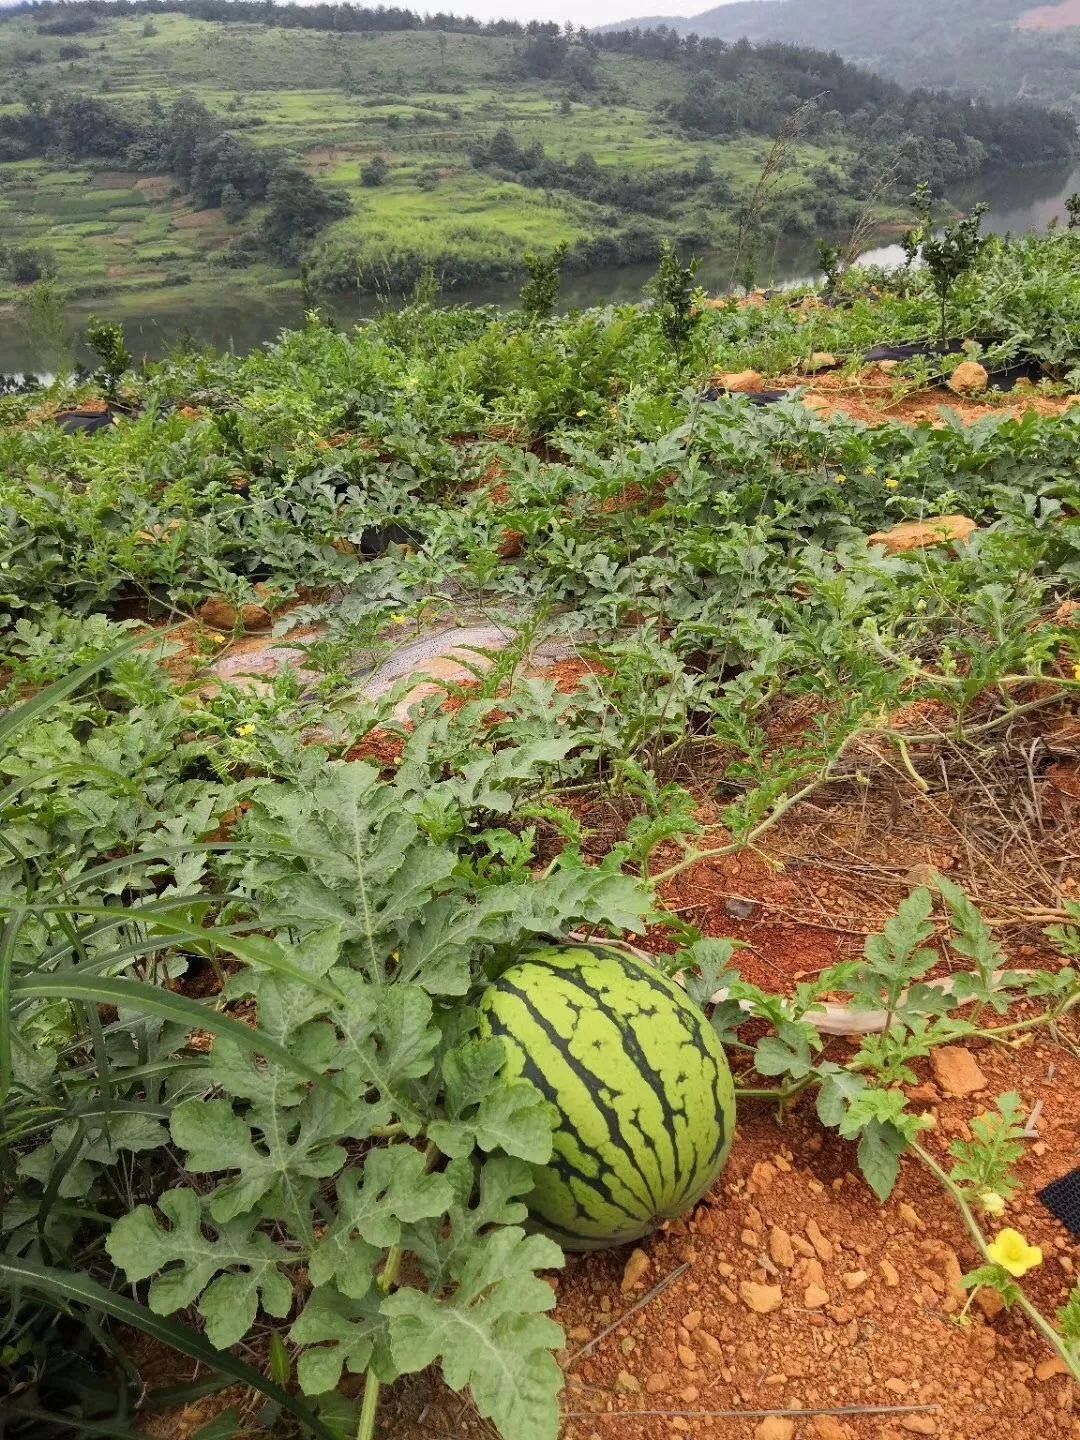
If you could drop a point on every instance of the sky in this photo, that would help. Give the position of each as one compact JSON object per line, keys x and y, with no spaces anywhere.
{"x":581,"y":12}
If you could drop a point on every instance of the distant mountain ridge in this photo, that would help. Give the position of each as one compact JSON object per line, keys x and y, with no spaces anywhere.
{"x":1017,"y":50}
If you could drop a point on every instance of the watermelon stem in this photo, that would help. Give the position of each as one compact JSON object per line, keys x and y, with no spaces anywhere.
{"x":369,"y":1409}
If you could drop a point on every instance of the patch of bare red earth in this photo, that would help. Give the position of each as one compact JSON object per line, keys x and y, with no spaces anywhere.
{"x":857,"y":1303}
{"x":1062,"y":16}
{"x":875,"y":398}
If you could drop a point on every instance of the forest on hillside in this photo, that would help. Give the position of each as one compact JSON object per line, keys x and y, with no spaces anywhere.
{"x":370,"y":146}
{"x":993,"y":54}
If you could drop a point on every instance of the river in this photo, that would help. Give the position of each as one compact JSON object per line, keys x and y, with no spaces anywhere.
{"x":230,"y":318}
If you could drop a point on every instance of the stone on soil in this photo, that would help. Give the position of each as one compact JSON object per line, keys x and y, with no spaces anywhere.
{"x":634,"y":1272}
{"x":815,"y":1297}
{"x":969,"y":378}
{"x":780,"y":1248}
{"x":775,"y":1427}
{"x":957,"y":1071}
{"x":762,"y":1299}
{"x":827,"y":1427}
{"x":741,"y":382}
{"x":918,"y":534}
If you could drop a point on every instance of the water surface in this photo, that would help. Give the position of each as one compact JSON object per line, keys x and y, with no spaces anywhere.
{"x":228,"y":318}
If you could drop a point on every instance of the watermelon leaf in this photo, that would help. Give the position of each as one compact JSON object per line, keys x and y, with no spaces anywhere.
{"x":491,"y":1334}
{"x":245,"y":1261}
{"x":347,"y":1334}
{"x":392,"y":1187}
{"x":496,"y":1114}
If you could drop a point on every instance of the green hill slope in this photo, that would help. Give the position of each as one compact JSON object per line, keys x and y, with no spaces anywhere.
{"x":229,"y":140}
{"x":1011,"y":49}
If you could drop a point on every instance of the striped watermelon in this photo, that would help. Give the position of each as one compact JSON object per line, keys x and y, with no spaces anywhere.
{"x":639,"y":1080}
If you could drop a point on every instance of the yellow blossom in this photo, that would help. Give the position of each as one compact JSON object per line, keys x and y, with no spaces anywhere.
{"x":892,"y":483}
{"x":401,"y":619}
{"x":840,"y":479}
{"x":217,"y":639}
{"x":991,"y":1203}
{"x":581,"y":414}
{"x":1076,"y":672}
{"x":244,"y":730}
{"x":1013,"y":1253}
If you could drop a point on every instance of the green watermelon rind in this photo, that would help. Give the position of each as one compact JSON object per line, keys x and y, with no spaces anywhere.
{"x":637,"y":1079}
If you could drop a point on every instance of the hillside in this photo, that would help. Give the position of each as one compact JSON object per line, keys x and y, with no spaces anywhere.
{"x":157,"y":145}
{"x":1015,"y":50}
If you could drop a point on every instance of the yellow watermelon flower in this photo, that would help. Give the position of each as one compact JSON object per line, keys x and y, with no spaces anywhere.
{"x":244,"y":730}
{"x":1013,"y":1253}
{"x":991,"y":1203}
{"x":840,"y":479}
{"x":1076,"y":672}
{"x":892,"y":483}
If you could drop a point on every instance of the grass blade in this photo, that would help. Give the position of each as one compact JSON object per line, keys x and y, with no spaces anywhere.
{"x":62,"y":1288}
{"x":151,"y":1000}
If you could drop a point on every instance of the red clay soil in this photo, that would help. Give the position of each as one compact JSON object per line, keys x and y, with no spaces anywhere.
{"x":868,"y":1298}
{"x":873,"y":397}
{"x":1062,"y":16}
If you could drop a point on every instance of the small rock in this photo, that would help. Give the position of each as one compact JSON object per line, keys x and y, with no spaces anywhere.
{"x":957,"y":1071}
{"x":919,"y":1424}
{"x":841,"y":1314}
{"x":688,"y":1394}
{"x":687,"y":1358}
{"x":918,"y":534}
{"x":775,"y":1427}
{"x":741,"y":382}
{"x":815,"y":1297}
{"x":579,"y":1333}
{"x":738,"y":908}
{"x":854,"y":1279}
{"x":635,"y":1270}
{"x":218,"y":613}
{"x":1047,"y":1369}
{"x":762,"y":1299}
{"x":822,"y":1246}
{"x":910,"y":1216}
{"x":627,"y":1384}
{"x":989,"y":1302}
{"x":255,"y":617}
{"x":692,"y":1319}
{"x":890,"y":1272}
{"x":969,"y":378}
{"x":821,"y":360}
{"x":780,"y":1248}
{"x":827,"y":1427}
{"x":657,"y":1382}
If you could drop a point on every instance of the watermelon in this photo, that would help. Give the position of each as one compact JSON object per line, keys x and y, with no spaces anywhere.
{"x":638,"y":1081}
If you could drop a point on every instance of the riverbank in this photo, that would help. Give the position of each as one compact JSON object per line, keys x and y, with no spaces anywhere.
{"x":243,"y":310}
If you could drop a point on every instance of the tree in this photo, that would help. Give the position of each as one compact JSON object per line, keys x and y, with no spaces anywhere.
{"x":297,"y":209}
{"x":947,"y":256}
{"x":540,"y":293}
{"x":375,"y":172}
{"x":107,"y":343}
{"x":673,"y":289}
{"x":25,"y":265}
{"x":232,"y":203}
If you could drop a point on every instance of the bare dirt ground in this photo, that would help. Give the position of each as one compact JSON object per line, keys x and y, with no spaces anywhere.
{"x":1061,"y":16}
{"x":875,"y":398}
